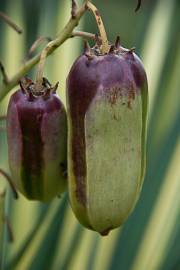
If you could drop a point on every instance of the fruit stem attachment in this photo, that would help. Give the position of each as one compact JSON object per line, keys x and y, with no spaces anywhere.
{"x":39,"y":75}
{"x":103,"y":35}
{"x":51,"y":46}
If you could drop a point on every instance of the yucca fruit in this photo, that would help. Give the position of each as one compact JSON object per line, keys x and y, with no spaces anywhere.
{"x":107,"y":110}
{"x":37,"y":141}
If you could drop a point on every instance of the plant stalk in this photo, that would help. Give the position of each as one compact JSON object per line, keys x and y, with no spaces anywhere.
{"x":66,"y":33}
{"x":102,"y":32}
{"x":8,"y":20}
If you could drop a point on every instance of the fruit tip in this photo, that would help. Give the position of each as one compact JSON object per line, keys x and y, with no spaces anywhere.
{"x":22,"y":86}
{"x":112,"y":49}
{"x":117,"y":42}
{"x":30,"y":96}
{"x":46,"y":83}
{"x":24,"y":83}
{"x":87,"y":48}
{"x":55,"y":88}
{"x":132,"y":50}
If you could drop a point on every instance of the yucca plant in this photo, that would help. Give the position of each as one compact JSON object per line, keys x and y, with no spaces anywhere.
{"x":36,"y":235}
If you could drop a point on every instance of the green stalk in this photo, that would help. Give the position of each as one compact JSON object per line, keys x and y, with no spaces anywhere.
{"x":66,"y":33}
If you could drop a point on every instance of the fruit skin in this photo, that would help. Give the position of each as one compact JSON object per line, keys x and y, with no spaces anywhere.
{"x":37,"y":144}
{"x":107,"y":97}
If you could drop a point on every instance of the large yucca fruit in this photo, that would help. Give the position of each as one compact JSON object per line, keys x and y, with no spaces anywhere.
{"x":107,"y":108}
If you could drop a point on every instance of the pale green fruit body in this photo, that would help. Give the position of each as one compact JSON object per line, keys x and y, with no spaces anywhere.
{"x":107,"y":110}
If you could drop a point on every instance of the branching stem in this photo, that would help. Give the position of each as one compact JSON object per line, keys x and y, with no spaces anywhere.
{"x":85,"y":35}
{"x":52,"y":45}
{"x":67,"y":32}
{"x":37,"y":43}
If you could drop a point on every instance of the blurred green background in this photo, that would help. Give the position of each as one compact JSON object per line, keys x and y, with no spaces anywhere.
{"x":47,"y":236}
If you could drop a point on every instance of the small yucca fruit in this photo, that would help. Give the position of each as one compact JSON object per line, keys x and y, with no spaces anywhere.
{"x":107,"y":110}
{"x":37,"y":141}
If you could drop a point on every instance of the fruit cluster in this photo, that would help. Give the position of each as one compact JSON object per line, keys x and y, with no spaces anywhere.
{"x":96,"y":149}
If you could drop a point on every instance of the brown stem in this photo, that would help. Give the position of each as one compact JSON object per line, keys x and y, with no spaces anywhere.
{"x":85,"y":35}
{"x":37,"y":43}
{"x":8,"y":20}
{"x":39,"y":75}
{"x":105,"y":44}
{"x":4,"y":74}
{"x":138,"y":5}
{"x":8,"y":178}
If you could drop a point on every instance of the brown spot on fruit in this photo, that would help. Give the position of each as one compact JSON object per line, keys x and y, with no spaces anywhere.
{"x":131,"y":97}
{"x":113,"y":94}
{"x":129,"y":104}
